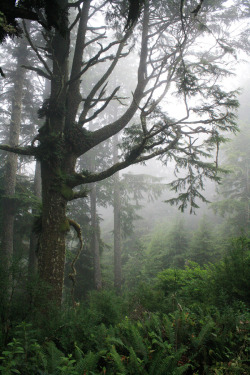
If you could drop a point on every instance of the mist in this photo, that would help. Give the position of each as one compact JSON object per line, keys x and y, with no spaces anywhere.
{"x":124,"y":187}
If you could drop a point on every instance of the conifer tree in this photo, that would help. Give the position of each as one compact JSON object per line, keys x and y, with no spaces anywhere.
{"x":233,"y":202}
{"x":166,"y":36}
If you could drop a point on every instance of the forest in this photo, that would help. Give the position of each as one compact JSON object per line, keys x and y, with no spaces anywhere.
{"x":124,"y":187}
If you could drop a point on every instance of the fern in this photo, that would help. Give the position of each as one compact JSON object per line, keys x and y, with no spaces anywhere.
{"x":115,"y":341}
{"x":164,"y":363}
{"x":204,"y":334}
{"x":121,"y":370}
{"x":154,"y":323}
{"x":169,"y":330}
{"x":132,"y":337}
{"x":136,"y":341}
{"x":135,"y":365}
{"x":54,"y":357}
{"x":87,"y":363}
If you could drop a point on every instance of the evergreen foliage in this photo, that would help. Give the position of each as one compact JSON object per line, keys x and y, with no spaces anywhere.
{"x":196,"y":321}
{"x":203,"y":247}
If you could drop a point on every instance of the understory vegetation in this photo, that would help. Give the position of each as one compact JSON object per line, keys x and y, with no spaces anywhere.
{"x":193,"y":320}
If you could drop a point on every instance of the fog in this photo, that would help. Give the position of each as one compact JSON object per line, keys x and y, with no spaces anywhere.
{"x":124,"y":187}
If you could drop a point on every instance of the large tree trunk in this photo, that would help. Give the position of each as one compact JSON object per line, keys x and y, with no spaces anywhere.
{"x":95,"y":239}
{"x":55,"y":163}
{"x":51,"y":253}
{"x":11,"y":164}
{"x":117,"y":223}
{"x":56,"y":152}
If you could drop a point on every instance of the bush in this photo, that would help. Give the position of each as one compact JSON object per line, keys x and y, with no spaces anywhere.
{"x":188,"y":287}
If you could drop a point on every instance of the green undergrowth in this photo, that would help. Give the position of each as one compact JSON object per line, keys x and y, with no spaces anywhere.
{"x":188,"y":321}
{"x":178,"y":343}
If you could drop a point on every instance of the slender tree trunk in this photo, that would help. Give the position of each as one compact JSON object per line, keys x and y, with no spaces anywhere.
{"x":117,"y":223}
{"x":95,"y":239}
{"x":95,"y":229}
{"x":11,"y":164}
{"x":32,"y":267}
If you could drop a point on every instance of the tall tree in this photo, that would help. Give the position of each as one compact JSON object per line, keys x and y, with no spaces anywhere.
{"x":203,"y":247}
{"x":233,"y":198}
{"x":177,"y":246}
{"x":166,"y":38}
{"x":8,"y":202}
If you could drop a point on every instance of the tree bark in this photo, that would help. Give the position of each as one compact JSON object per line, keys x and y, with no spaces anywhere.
{"x":51,"y":253}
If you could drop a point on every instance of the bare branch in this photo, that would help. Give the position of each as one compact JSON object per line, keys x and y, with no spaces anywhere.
{"x":73,"y":93}
{"x":96,"y":9}
{"x":103,"y":78}
{"x":36,"y":51}
{"x":76,"y":20}
{"x":76,"y":4}
{"x":102,"y":107}
{"x":94,"y":28}
{"x":98,"y":37}
{"x":19,"y":150}
{"x":91,"y":62}
{"x":119,"y":98}
{"x":109,"y":130}
{"x":39,"y":71}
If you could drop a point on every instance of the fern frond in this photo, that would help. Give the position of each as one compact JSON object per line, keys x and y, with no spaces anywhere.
{"x":87,"y":363}
{"x":117,"y":361}
{"x":204,"y":333}
{"x":135,"y":365}
{"x":115,"y":341}
{"x":54,"y":357}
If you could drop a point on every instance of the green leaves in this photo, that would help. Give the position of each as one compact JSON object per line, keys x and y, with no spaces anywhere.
{"x":199,"y":335}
